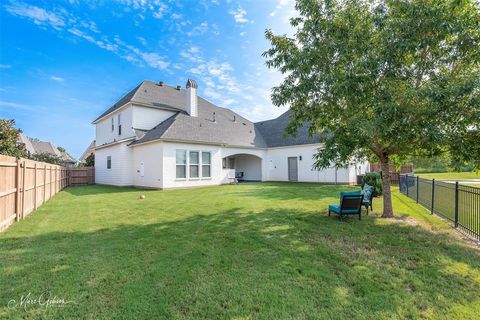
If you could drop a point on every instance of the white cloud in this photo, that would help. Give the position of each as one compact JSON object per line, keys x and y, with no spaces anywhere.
{"x":239,"y":15}
{"x":142,"y":40}
{"x":242,"y":34}
{"x":14,"y":105}
{"x":280,"y":5}
{"x":57,"y":79}
{"x":154,"y":60}
{"x":199,"y":30}
{"x":38,"y":15}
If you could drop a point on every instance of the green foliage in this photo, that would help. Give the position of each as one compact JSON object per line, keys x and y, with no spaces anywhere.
{"x":47,"y":157}
{"x":384,"y":79}
{"x":90,"y":160}
{"x":61,"y":149}
{"x":8,"y":139}
{"x":373,"y":179}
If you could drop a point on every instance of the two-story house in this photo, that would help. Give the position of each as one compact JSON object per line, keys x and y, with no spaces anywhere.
{"x":161,"y":136}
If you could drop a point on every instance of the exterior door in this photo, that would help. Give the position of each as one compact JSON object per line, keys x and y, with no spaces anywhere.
{"x":292,"y":169}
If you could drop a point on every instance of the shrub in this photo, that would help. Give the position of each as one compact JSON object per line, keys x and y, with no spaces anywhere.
{"x":373,"y":179}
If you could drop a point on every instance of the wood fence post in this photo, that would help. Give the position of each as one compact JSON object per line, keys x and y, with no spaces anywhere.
{"x":23,"y":188}
{"x":17,"y":191}
{"x":50,"y":181}
{"x":44,"y":183}
{"x":35,"y":188}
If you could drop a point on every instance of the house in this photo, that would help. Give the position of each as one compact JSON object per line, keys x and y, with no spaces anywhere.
{"x":37,"y":147}
{"x":90,"y":150}
{"x":160,"y":136}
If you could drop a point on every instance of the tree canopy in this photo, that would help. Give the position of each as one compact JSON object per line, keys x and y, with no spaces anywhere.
{"x":9,"y":145}
{"x":385,"y":79}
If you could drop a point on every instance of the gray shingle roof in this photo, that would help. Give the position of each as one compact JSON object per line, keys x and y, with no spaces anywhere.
{"x":273,"y":131}
{"x":229,"y":128}
{"x":151,"y":94}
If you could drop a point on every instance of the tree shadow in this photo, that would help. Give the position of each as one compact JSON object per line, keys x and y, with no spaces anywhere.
{"x":100,"y":189}
{"x":282,"y":263}
{"x":296,"y":191}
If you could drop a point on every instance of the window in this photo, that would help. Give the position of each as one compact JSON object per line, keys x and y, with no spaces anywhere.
{"x":194,"y":164}
{"x":224,"y":163}
{"x":119,"y":126}
{"x":206,"y":159}
{"x":113,"y":125}
{"x":109,"y":162}
{"x":181,"y":164}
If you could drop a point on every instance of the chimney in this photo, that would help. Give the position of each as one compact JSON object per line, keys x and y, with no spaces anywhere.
{"x":191,"y":105}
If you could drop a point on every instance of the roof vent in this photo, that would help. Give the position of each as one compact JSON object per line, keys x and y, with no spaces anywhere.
{"x":179,"y":87}
{"x":160,"y":83}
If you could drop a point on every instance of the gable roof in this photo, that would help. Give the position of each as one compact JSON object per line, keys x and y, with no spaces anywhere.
{"x":149,"y":93}
{"x":228,"y":128}
{"x":273,"y":131}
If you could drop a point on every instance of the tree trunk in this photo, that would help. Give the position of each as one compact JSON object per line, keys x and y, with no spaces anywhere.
{"x":387,"y":194}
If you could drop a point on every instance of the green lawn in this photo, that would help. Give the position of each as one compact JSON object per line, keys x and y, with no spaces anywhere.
{"x":450,"y":175}
{"x":247,"y":251}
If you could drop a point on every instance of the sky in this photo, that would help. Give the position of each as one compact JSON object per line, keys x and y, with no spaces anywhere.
{"x":62,"y":63}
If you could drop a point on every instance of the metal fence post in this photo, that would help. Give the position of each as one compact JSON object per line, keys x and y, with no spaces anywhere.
{"x":408,"y":183}
{"x":456,"y":204}
{"x":418,"y":179}
{"x":433,"y":193}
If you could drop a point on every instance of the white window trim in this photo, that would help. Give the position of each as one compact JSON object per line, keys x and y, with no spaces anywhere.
{"x":199,"y":164}
{"x":186,"y":165}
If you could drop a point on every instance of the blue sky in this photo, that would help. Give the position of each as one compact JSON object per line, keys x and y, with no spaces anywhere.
{"x":62,"y":63}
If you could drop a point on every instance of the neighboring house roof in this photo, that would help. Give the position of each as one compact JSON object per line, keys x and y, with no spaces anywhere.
{"x":90,"y":150}
{"x":213,"y":124}
{"x":26,"y":141}
{"x":34,"y":146}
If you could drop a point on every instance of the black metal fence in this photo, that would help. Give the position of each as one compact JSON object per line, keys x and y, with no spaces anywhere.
{"x":453,"y":201}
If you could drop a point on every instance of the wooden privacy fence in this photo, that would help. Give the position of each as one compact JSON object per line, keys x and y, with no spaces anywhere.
{"x":79,"y":176}
{"x":26,"y":184}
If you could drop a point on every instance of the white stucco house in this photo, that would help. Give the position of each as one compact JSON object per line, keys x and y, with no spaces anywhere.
{"x":159,"y":136}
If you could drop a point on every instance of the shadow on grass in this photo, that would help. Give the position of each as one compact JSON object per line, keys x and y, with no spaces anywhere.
{"x":297,"y":191}
{"x":100,"y":189}
{"x":272,"y":264}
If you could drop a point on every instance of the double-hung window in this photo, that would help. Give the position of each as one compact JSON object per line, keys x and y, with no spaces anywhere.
{"x":113,"y":124}
{"x":119,"y":126}
{"x":181,"y":164}
{"x":206,"y":165}
{"x":109,"y":162}
{"x":194,"y":161}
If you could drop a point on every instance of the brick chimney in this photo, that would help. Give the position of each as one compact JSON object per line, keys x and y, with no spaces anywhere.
{"x":191,"y":104}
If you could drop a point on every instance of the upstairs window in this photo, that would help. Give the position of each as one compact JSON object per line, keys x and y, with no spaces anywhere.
{"x":113,"y":125}
{"x":119,"y":126}
{"x":181,"y":164}
{"x":109,"y":162}
{"x":194,"y":169}
{"x":206,"y":165}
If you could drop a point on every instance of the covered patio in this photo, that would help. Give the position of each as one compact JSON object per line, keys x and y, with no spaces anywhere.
{"x":246,"y":167}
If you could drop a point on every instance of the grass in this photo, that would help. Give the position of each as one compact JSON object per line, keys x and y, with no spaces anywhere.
{"x":247,"y":251}
{"x":450,"y":175}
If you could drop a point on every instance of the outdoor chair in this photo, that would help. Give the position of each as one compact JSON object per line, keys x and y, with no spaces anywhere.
{"x":350,"y":203}
{"x":368,"y":196}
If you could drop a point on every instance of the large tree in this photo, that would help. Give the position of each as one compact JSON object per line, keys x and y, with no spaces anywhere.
{"x":383,"y":79}
{"x":9,"y":144}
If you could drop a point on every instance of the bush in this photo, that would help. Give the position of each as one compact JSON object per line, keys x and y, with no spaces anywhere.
{"x":373,"y":179}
